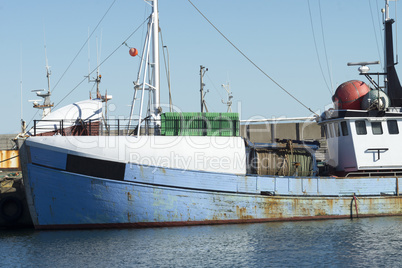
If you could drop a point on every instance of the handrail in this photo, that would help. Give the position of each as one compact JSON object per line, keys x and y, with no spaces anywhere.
{"x":66,"y":127}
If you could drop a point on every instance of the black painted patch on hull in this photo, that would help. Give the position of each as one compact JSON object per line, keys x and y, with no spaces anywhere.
{"x":95,"y":167}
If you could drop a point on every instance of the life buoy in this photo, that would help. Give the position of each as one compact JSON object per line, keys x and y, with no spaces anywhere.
{"x":10,"y":209}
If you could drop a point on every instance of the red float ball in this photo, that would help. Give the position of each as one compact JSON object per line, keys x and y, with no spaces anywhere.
{"x":349,"y":95}
{"x":133,"y":52}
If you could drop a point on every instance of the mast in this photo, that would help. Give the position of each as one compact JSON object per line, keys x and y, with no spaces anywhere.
{"x":230,"y":97}
{"x":156,"y":109}
{"x":47,"y":105}
{"x":393,"y":86}
{"x":148,"y":75}
{"x":203,"y":70}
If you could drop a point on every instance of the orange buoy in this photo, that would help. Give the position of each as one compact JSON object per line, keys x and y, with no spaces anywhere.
{"x":133,"y":52}
{"x":349,"y":95}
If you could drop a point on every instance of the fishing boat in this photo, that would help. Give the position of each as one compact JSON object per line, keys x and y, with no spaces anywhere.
{"x":178,"y":169}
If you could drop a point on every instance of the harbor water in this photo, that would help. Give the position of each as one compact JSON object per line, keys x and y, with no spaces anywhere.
{"x":365,"y":242}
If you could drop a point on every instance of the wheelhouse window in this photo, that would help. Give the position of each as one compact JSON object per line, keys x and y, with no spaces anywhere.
{"x":344,"y":128}
{"x":326,"y":131}
{"x":361,"y":127}
{"x":392,"y":127}
{"x":376,"y":127}
{"x":337,"y":131}
{"x":331,"y":131}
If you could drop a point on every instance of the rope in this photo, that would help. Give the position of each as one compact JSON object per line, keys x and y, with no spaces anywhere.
{"x":254,"y":64}
{"x":355,"y":199}
{"x":8,"y":159}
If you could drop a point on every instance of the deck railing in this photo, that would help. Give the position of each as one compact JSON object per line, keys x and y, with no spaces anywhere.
{"x":172,"y":124}
{"x":108,"y":127}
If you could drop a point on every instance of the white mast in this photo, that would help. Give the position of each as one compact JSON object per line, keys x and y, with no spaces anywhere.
{"x":156,"y":109}
{"x":151,"y":46}
{"x":386,"y":10}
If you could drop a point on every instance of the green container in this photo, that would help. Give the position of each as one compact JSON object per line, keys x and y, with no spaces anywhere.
{"x":200,"y":124}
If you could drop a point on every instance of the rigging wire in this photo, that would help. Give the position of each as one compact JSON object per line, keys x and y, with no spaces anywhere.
{"x":79,"y":51}
{"x":167,"y":69}
{"x":254,"y":64}
{"x":379,"y":23}
{"x":124,"y":43}
{"x":396,"y":32}
{"x":212,"y":110}
{"x":316,"y":49}
{"x":325,"y":50}
{"x":375,"y":30}
{"x":213,"y":85}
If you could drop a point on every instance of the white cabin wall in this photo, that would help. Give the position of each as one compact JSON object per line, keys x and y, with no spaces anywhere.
{"x":389,"y":159}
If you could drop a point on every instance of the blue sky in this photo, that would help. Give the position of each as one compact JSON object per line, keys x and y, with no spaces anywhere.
{"x":277,"y":35}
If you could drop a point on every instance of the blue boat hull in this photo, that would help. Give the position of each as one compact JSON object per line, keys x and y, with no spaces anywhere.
{"x":65,"y":200}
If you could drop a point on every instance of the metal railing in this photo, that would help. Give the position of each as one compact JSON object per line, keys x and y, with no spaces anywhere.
{"x":65,"y":127}
{"x":124,"y":127}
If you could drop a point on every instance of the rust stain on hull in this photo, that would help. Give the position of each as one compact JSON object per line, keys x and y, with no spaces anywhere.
{"x":242,"y":213}
{"x":271,"y":209}
{"x":192,"y":223}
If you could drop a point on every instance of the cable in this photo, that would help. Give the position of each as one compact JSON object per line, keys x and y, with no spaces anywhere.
{"x":32,"y":118}
{"x":167,"y":68}
{"x":79,"y":51}
{"x":255,"y":65}
{"x":396,"y":33}
{"x":316,"y":48}
{"x":375,"y":31}
{"x":213,"y":85}
{"x":325,"y":49}
{"x":380,"y":24}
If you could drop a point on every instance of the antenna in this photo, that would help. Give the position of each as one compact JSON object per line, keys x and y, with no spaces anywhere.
{"x":363,"y":65}
{"x":98,"y":77}
{"x":48,"y":72}
{"x":46,"y":106}
{"x":21,"y":77}
{"x":230,"y":97}
{"x":203,"y":70}
{"x":89,"y":58}
{"x":23,"y":125}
